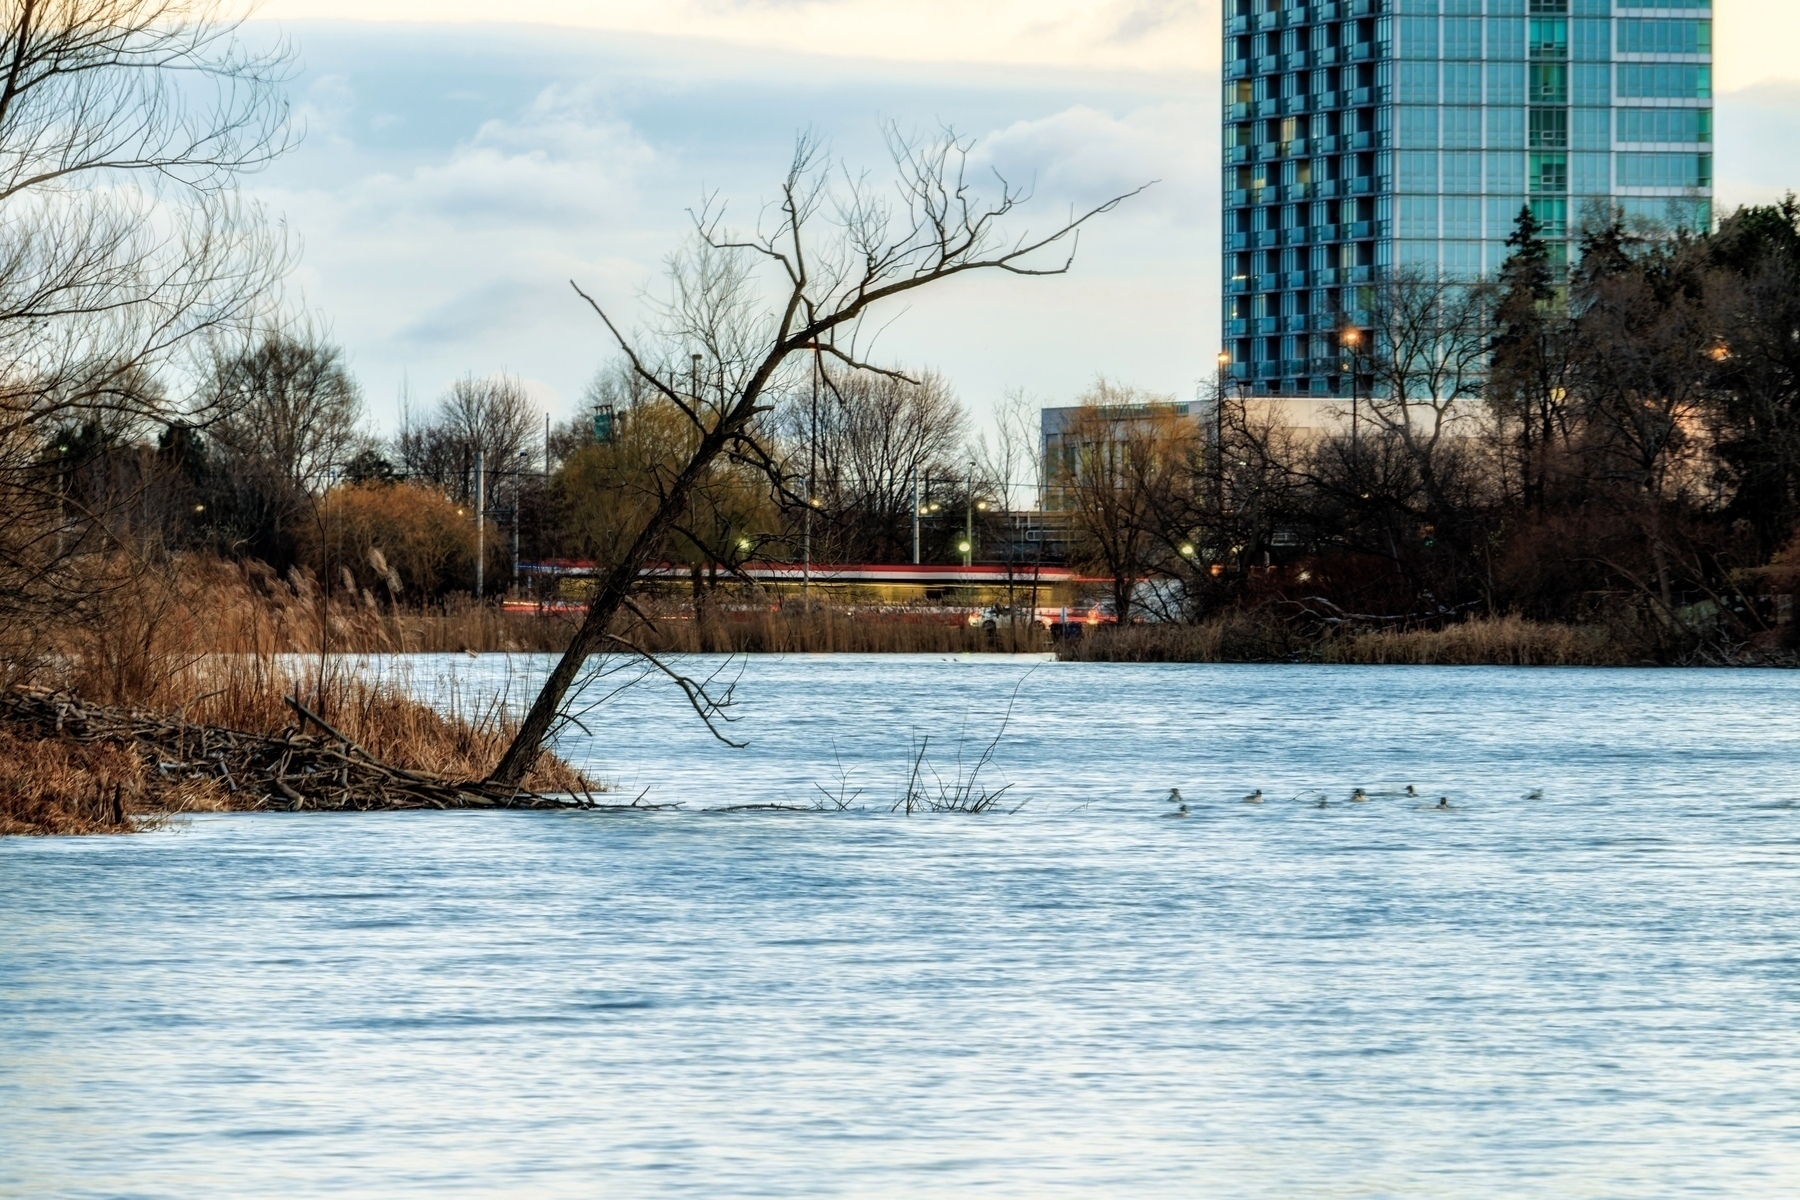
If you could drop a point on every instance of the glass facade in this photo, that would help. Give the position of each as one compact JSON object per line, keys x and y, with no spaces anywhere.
{"x":1367,"y":135}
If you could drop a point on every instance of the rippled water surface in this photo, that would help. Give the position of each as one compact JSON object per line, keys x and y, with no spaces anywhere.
{"x":1593,"y":993}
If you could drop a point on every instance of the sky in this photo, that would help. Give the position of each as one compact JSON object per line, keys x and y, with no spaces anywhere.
{"x":456,"y":174}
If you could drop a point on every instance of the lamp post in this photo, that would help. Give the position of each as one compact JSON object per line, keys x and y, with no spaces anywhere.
{"x":1224,"y":361}
{"x":1351,"y":339}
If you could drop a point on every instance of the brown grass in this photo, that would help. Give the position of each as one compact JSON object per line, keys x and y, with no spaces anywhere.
{"x":1498,"y":641}
{"x":828,"y":630}
{"x":214,"y":644}
{"x":1249,"y":637}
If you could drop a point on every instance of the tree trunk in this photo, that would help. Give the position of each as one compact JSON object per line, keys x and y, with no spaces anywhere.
{"x":589,"y":639}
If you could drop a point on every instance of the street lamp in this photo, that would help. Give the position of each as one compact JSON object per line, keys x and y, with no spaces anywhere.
{"x":1351,"y":339}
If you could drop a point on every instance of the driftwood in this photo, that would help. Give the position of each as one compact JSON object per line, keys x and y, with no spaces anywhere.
{"x":290,"y":771}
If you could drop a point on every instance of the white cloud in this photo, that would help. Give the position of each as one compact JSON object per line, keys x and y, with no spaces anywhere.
{"x":1088,"y":156}
{"x":1160,"y":35}
{"x":451,"y":186}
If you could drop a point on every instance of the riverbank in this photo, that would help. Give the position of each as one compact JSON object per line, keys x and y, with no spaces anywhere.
{"x":1508,"y":641}
{"x":247,"y":742}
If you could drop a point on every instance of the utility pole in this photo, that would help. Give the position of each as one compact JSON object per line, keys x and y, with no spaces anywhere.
{"x":480,"y":524}
{"x":812,"y":470}
{"x":917,"y":501}
{"x":968,"y":546}
{"x":518,"y":472}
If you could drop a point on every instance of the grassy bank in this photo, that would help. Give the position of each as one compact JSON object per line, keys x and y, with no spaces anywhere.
{"x":1497,"y":641}
{"x":208,"y":651}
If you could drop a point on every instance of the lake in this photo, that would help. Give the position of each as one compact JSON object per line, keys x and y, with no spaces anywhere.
{"x":1581,"y":979}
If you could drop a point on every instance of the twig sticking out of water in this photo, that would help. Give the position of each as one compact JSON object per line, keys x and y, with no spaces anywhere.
{"x":964,"y":792}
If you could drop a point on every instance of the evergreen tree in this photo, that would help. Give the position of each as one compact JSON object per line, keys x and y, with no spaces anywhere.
{"x":1523,"y":374}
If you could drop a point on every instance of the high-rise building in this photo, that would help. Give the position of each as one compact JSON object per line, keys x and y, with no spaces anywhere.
{"x":1363,"y":136}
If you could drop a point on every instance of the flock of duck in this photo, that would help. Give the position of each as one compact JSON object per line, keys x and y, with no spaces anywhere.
{"x":1357,"y":796}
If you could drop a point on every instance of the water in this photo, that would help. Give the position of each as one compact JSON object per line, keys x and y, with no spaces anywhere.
{"x":1591,"y":994}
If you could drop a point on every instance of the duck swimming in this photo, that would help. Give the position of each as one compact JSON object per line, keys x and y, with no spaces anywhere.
{"x":1443,"y":802}
{"x":1180,"y":812}
{"x":1359,"y":797}
{"x":1411,"y":790}
{"x":1174,"y":795}
{"x":1254,"y":797}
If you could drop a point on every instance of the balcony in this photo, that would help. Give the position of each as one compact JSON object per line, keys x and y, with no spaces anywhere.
{"x":1237,"y":285}
{"x":1237,"y":25}
{"x":1237,"y":154}
{"x":1296,"y":324}
{"x":1236,"y":197}
{"x":1237,"y":241}
{"x":1268,"y":64}
{"x":1293,"y":280}
{"x":1237,"y":328}
{"x":1268,"y":239}
{"x":1326,"y":57}
{"x":1267,"y":283}
{"x":1295,"y":236}
{"x":1237,"y":68}
{"x":1264,"y":326}
{"x":1238,"y":112}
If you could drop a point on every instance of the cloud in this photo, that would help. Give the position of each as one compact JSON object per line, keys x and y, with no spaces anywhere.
{"x":562,"y":161}
{"x":458,"y":179}
{"x":1154,"y":35}
{"x":1089,"y":156}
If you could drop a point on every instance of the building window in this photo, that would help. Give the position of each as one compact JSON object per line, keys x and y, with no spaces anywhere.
{"x":1665,"y":81}
{"x":1549,"y":38}
{"x":1664,"y":37}
{"x":1665,"y":125}
{"x":1552,"y":215}
{"x":1549,"y":83}
{"x":1665,"y":170}
{"x":1549,"y":128}
{"x":1549,"y":173}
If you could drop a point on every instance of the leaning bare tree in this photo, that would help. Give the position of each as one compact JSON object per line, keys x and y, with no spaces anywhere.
{"x":743,"y":308}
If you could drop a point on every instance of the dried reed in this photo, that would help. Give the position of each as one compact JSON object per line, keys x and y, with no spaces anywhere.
{"x":1249,"y":637}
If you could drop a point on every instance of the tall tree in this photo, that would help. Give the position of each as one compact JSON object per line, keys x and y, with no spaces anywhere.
{"x":1527,"y":387}
{"x":125,"y":128}
{"x":828,"y":254}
